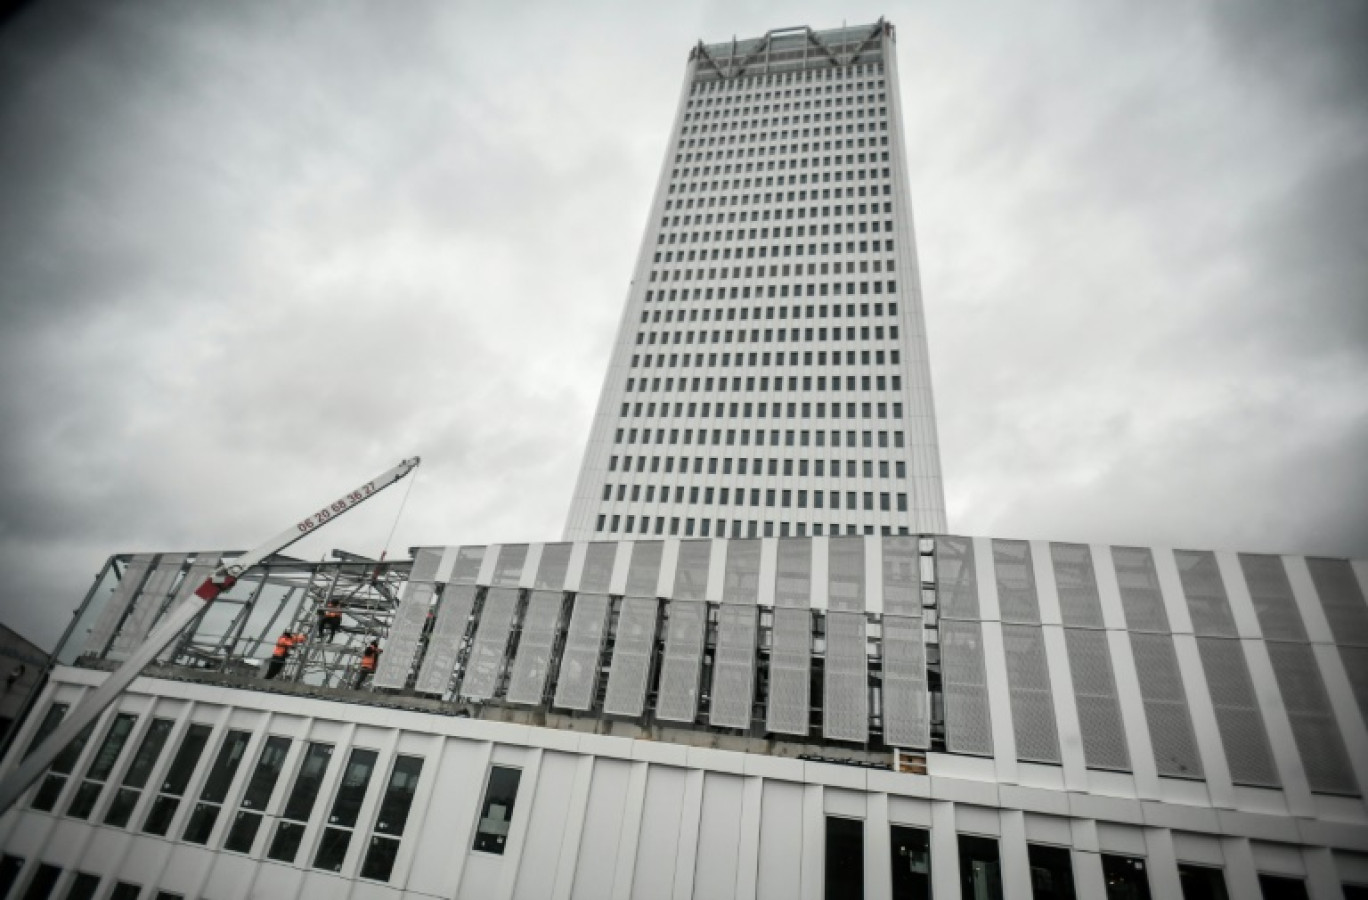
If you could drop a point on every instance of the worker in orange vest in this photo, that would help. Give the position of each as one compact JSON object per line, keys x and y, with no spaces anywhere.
{"x":284,"y":644}
{"x":329,"y":620}
{"x":369,"y":657}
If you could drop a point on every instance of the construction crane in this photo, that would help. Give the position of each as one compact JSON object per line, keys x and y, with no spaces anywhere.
{"x":13,"y":785}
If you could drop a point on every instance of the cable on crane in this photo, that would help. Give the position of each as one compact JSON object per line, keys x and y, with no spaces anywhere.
{"x":395,"y":527}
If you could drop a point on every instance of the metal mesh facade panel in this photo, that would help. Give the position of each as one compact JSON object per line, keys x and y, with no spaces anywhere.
{"x":1166,"y":709}
{"x":967,"y":727}
{"x":425,"y":564}
{"x":793,"y":582}
{"x":579,"y":665}
{"x":1317,"y":733}
{"x":1016,"y":585}
{"x":1355,"y":661}
{"x":905,"y":719}
{"x":901,"y":576}
{"x":691,"y":570}
{"x":643,"y":573}
{"x":204,"y":566}
{"x":677,"y":700}
{"x":1205,"y":593}
{"x":741,"y":579}
{"x":1076,"y":585}
{"x":1279,"y":618}
{"x":789,"y":683}
{"x":1140,"y":595}
{"x":1099,"y":710}
{"x":467,"y":568}
{"x":491,"y":644}
{"x":554,"y":566}
{"x":1342,"y":599}
{"x":845,"y":693}
{"x":956,"y":582}
{"x":733,"y":686}
{"x":117,"y":605}
{"x":401,"y":645}
{"x":1028,"y":682}
{"x":598,"y":568}
{"x":448,"y":632}
{"x":527,"y":681}
{"x":1237,"y":712}
{"x":155,"y":593}
{"x":631,"y":664}
{"x":508,"y":568}
{"x":846,"y":574}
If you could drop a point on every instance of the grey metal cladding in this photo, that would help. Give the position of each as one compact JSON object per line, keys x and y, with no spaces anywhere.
{"x":579,"y":667}
{"x":1140,"y":595}
{"x":1166,"y":708}
{"x":965,"y":686}
{"x":1205,"y":593}
{"x":905,"y":719}
{"x":846,"y":574}
{"x":1314,"y":727}
{"x":845,"y":682}
{"x":901,"y":576}
{"x":134,"y":574}
{"x":956,"y":582}
{"x":643,"y":573}
{"x":1274,"y":603}
{"x":1016,"y":583}
{"x":598,"y":567}
{"x":1076,"y":585}
{"x":1342,"y":599}
{"x":1028,"y":685}
{"x":741,"y":578}
{"x":787,"y":711}
{"x":793,"y":574}
{"x":401,"y":645}
{"x":554,"y":566}
{"x":677,"y":700}
{"x":491,"y":643}
{"x":631,"y":663}
{"x":448,"y":634}
{"x":1099,"y":709}
{"x":151,"y":600}
{"x":509,"y":566}
{"x":203,"y":567}
{"x":1355,"y":661}
{"x":733,"y":685}
{"x":425,"y":564}
{"x":527,"y":680}
{"x":467,"y":567}
{"x":691,"y":570}
{"x":1238,"y":718}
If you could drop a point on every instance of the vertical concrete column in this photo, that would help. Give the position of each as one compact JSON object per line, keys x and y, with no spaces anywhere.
{"x":945,"y":882}
{"x":574,"y":828}
{"x":814,"y":842}
{"x":632,"y":808}
{"x":748,"y":854}
{"x":1161,"y":863}
{"x":878,"y":849}
{"x":689,"y":819}
{"x":1241,"y":873}
{"x":1322,"y":879}
{"x":1016,"y":864}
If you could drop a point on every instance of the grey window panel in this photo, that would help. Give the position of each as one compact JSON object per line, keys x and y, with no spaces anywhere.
{"x":845,"y":685}
{"x":1166,"y":709}
{"x":1139,"y":583}
{"x":151,"y":600}
{"x":444,"y":643}
{"x":133,"y":576}
{"x":1099,"y":709}
{"x":1313,"y":719}
{"x":1355,"y":661}
{"x":956,"y":583}
{"x":533,"y":662}
{"x":1076,"y":585}
{"x":425,"y":564}
{"x":491,"y":644}
{"x":643,"y":574}
{"x":631,"y":664}
{"x":741,"y":580}
{"x":793,"y":576}
{"x":406,"y":631}
{"x":554,"y":566}
{"x":203,"y":567}
{"x":598,"y":567}
{"x":467,"y":568}
{"x":788,"y":710}
{"x":677,"y":700}
{"x":1342,"y":598}
{"x":1237,"y":712}
{"x":1028,"y":684}
{"x":901,"y":576}
{"x":1016,"y":584}
{"x":733,"y":685}
{"x":905,"y":719}
{"x":1279,"y":618}
{"x":1205,"y":593}
{"x":508,"y":569}
{"x":580,"y":659}
{"x":691,"y":570}
{"x":965,"y":687}
{"x":846,"y":574}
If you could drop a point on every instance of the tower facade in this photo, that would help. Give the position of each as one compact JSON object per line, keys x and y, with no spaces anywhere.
{"x":770,"y":375}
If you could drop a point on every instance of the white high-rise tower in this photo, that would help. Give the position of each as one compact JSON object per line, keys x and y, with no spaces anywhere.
{"x":770,"y":375}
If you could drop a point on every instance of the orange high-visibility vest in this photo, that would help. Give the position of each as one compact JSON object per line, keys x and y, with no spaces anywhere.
{"x":369,"y":659}
{"x":283,"y":645}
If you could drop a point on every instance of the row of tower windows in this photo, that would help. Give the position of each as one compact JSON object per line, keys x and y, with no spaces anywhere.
{"x":866,"y":332}
{"x":777,"y":270}
{"x":851,"y":143}
{"x":767,"y":232}
{"x":783,"y":498}
{"x":812,"y":312}
{"x":704,"y":187}
{"x":765,"y":358}
{"x":767,"y":291}
{"x":704,"y":171}
{"x":704,"y":106}
{"x":740,"y":528}
{"x":706,"y":384}
{"x":731,"y":436}
{"x":775,"y":467}
{"x":748,"y":409}
{"x":690,"y":149}
{"x":748,"y":126}
{"x":705,"y":91}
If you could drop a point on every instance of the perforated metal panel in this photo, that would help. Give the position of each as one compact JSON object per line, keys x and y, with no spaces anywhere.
{"x":467,"y":567}
{"x":1237,"y":712}
{"x":203,"y":567}
{"x":1076,"y":584}
{"x":117,"y":606}
{"x":845,"y":685}
{"x":1016,"y":585}
{"x":1140,"y":595}
{"x":905,"y":719}
{"x":679,"y":670}
{"x":447,"y":637}
{"x":527,"y":680}
{"x":401,"y":645}
{"x":1356,"y":665}
{"x":1279,"y":618}
{"x":1205,"y":593}
{"x":579,"y":665}
{"x":965,"y":686}
{"x":1342,"y":599}
{"x":1317,"y":733}
{"x":509,"y":566}
{"x":793,"y":576}
{"x":1028,"y":684}
{"x":643,"y":573}
{"x":152,"y":599}
{"x":733,"y":681}
{"x":425,"y":564}
{"x":901,"y":576}
{"x":1099,"y":710}
{"x":598,"y":567}
{"x":691,"y":570}
{"x":631,"y":663}
{"x":846,"y":574}
{"x":1166,"y":709}
{"x":741,"y":581}
{"x":956,"y":582}
{"x":491,"y":643}
{"x":787,"y":711}
{"x":554,"y":566}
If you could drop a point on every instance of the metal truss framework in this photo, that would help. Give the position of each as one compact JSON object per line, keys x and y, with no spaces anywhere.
{"x":818,"y":48}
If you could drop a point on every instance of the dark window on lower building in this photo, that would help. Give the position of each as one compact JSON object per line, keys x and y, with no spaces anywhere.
{"x":332,"y":849}
{"x":1051,"y":872}
{"x":1125,"y":877}
{"x":168,"y":799}
{"x":844,"y":859}
{"x":126,"y":890}
{"x":496,"y":813}
{"x":43,"y":881}
{"x":60,"y":770}
{"x":10,"y":867}
{"x":83,"y":887}
{"x":1202,"y":882}
{"x":135,"y":779}
{"x":243,"y":832}
{"x":980,"y":867}
{"x":290,"y":830}
{"x":221,"y":774}
{"x":392,"y":817}
{"x":1281,"y":887}
{"x":51,"y":719}
{"x":911,"y":848}
{"x":97,"y":773}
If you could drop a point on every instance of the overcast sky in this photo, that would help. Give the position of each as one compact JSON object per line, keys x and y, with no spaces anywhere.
{"x":252,"y":254}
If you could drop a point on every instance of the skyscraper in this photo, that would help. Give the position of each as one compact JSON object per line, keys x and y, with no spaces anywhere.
{"x":770,"y":376}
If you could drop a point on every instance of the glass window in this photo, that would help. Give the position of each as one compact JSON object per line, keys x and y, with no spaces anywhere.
{"x":392,"y":817}
{"x":1202,"y":882}
{"x":980,"y":868}
{"x":298,"y":808}
{"x":61,"y":768}
{"x":496,"y":813}
{"x":43,"y":881}
{"x":332,"y":849}
{"x":177,"y":778}
{"x":135,"y":779}
{"x":83,"y":887}
{"x":10,"y":867}
{"x":126,"y":890}
{"x":911,"y":849}
{"x":1125,"y":877}
{"x":225,"y":766}
{"x":97,"y":773}
{"x":1051,"y":872}
{"x":51,"y":719}
{"x":844,"y":859}
{"x":258,"y":794}
{"x":1281,"y":887}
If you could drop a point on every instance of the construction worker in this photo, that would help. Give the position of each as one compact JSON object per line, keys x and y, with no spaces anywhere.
{"x":329,"y":620}
{"x":284,"y":644}
{"x":369,"y":657}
